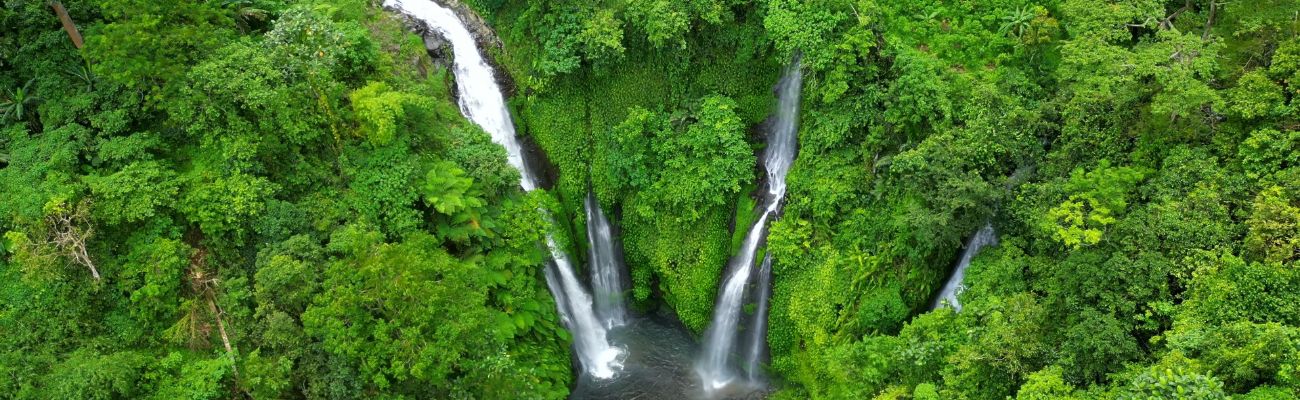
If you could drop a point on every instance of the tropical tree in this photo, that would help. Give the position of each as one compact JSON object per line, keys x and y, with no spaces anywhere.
{"x":18,"y":104}
{"x":1017,"y":22}
{"x":247,"y":14}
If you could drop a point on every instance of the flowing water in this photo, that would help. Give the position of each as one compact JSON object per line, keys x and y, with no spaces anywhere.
{"x":986,"y":236}
{"x":715,"y":367}
{"x":606,"y":266}
{"x":660,"y":351}
{"x":481,"y":101}
{"x":758,"y":334}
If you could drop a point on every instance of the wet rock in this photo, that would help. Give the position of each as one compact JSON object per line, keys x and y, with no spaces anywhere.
{"x":439,"y":48}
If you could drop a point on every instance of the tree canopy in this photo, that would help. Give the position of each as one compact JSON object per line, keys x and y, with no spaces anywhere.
{"x":274,"y":199}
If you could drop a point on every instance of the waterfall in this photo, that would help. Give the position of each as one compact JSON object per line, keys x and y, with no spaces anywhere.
{"x":714,"y":367}
{"x":758,"y":335}
{"x":984,"y":237}
{"x":606,"y":279}
{"x":481,"y":101}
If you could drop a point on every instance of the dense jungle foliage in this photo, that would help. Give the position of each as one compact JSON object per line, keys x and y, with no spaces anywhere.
{"x":278,"y":199}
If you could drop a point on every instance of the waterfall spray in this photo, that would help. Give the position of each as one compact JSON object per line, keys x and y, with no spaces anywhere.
{"x":606,"y":266}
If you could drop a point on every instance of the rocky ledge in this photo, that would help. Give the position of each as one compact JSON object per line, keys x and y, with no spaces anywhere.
{"x":439,"y":48}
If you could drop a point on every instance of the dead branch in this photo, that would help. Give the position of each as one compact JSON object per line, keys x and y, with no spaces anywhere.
{"x":70,"y":229}
{"x":221,"y":328}
{"x":206,"y":287}
{"x":1168,"y":22}
{"x":1209,"y":22}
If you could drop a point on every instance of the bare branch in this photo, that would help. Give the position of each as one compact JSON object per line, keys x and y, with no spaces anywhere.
{"x":206,"y":288}
{"x":1209,"y":22}
{"x":70,"y":229}
{"x":1168,"y":22}
{"x":221,"y":328}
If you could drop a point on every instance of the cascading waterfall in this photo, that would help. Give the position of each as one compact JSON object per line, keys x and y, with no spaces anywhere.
{"x":481,"y":101}
{"x":714,"y":366}
{"x":986,"y":236}
{"x":606,"y":279}
{"x":599,"y":358}
{"x":758,"y":335}
{"x":715,"y":370}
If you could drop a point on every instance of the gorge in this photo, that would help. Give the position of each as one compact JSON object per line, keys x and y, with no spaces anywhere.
{"x":650,"y":199}
{"x":591,"y":318}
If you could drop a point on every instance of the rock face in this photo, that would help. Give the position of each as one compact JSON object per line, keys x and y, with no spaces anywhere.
{"x":439,"y":48}
{"x":440,"y":52}
{"x":487,"y":39}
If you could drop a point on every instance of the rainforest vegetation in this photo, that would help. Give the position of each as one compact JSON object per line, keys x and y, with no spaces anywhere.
{"x":211,"y":199}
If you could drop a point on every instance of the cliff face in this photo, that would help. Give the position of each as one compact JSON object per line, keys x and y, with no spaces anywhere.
{"x":441,"y":54}
{"x":440,"y":50}
{"x":487,"y":39}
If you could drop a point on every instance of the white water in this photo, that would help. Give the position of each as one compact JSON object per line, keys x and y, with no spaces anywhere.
{"x":758,"y":334}
{"x":482,"y":102}
{"x":986,"y":236}
{"x":606,"y":267}
{"x":714,"y":366}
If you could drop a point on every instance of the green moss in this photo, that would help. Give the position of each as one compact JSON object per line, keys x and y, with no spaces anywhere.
{"x":678,"y":259}
{"x":745,"y":216}
{"x":686,"y":259}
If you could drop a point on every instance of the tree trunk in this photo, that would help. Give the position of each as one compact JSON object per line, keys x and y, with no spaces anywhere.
{"x":221,"y":328}
{"x":1209,"y":22}
{"x":206,"y":289}
{"x":68,"y":25}
{"x":93,"y":272}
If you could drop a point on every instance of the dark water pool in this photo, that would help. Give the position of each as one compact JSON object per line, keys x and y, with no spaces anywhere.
{"x":660,"y":364}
